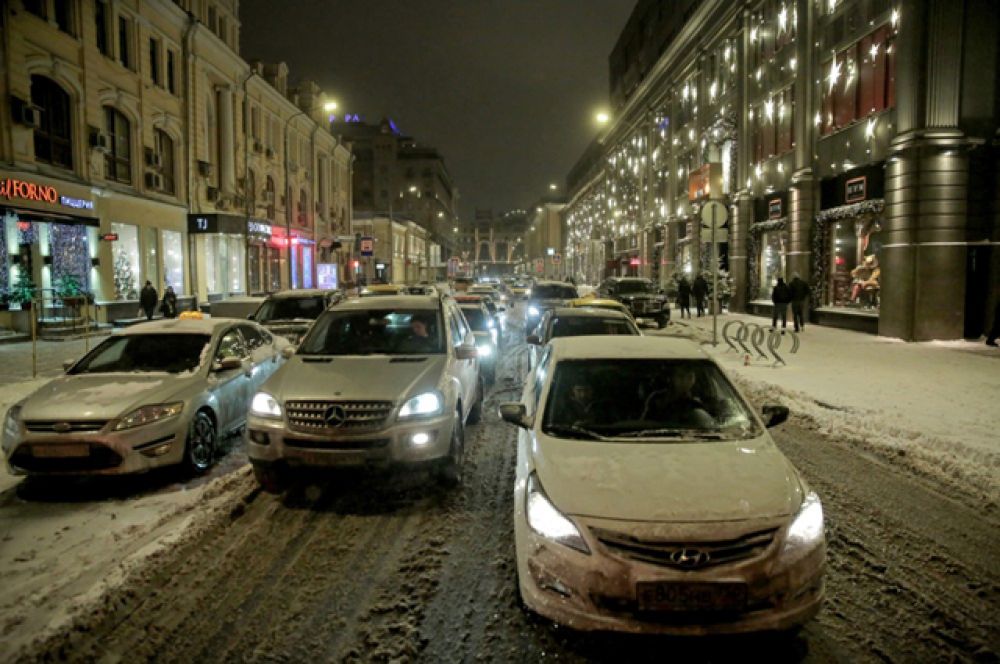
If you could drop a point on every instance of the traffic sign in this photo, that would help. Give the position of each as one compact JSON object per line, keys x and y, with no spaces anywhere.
{"x":367,"y":246}
{"x":713,"y":213}
{"x":556,"y":259}
{"x":539,"y":265}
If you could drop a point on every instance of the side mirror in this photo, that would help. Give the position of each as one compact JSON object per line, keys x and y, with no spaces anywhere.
{"x":68,"y":364}
{"x":288,"y":351}
{"x":533,"y":340}
{"x":774,"y":415}
{"x":516,"y":414}
{"x":467,"y":352}
{"x":227,"y":364}
{"x":249,"y":316}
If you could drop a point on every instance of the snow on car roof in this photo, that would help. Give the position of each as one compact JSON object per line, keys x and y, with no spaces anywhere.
{"x":301,"y":292}
{"x":392,"y":302}
{"x":178,"y":326}
{"x":625,"y":347}
{"x":583,"y":312}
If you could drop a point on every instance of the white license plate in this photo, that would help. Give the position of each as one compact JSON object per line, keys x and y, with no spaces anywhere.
{"x":50,"y":451}
{"x":674,"y":596}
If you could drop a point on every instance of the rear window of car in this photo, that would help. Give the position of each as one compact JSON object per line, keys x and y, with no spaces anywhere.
{"x":476,"y":318}
{"x":578,"y":326}
{"x":554,"y":292}
{"x":291,"y":308}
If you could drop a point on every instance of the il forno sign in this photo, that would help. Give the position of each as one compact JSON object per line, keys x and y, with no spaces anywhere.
{"x":28,"y":191}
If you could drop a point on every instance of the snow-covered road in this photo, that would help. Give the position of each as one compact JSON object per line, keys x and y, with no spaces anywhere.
{"x":391,"y":569}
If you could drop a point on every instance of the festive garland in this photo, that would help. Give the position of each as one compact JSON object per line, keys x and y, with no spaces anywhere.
{"x":820,"y":240}
{"x":875,"y":205}
{"x":753,"y":252}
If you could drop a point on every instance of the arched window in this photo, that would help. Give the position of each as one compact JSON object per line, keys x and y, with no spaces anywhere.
{"x":53,"y":137}
{"x":165,"y":148}
{"x":269,"y":197}
{"x":118,"y":159}
{"x":303,"y":208}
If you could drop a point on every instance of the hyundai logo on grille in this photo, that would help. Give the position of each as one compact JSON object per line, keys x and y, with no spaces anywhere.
{"x":335,"y":416}
{"x":689,"y":558}
{"x":61,"y":427}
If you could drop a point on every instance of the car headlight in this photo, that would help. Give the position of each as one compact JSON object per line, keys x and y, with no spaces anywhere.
{"x":533,"y":311}
{"x":11,"y":427}
{"x":149,"y":414}
{"x":264,"y":405}
{"x":549,"y":522}
{"x":485,"y":350}
{"x":806,"y":530}
{"x":493,"y":335}
{"x":422,"y":405}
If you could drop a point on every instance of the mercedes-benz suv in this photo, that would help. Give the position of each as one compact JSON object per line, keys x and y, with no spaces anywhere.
{"x":640,"y":295}
{"x":377,"y":381}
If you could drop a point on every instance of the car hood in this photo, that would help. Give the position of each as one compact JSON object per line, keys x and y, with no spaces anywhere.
{"x":351,"y":377}
{"x":668,"y":481}
{"x":103,"y":396}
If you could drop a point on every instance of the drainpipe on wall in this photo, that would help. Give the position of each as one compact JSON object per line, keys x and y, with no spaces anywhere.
{"x":250,"y":196}
{"x":189,"y":144}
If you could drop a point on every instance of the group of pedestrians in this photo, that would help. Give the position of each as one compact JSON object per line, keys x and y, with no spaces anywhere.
{"x":685,"y":291}
{"x":794,"y":293}
{"x":148,"y":298}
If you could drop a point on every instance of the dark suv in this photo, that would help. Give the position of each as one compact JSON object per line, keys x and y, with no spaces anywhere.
{"x":641,"y":296}
{"x":546,"y":295}
{"x":289,"y":313}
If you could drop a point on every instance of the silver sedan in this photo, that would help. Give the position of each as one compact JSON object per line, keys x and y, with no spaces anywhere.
{"x":156,"y":394}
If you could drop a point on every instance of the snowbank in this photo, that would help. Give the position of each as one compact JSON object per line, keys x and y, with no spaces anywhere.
{"x":930,"y":406}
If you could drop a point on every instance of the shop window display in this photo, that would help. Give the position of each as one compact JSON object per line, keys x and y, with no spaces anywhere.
{"x":70,"y":253}
{"x":773,"y":246}
{"x":855,"y":273}
{"x":125,"y":254}
{"x":173,"y":260}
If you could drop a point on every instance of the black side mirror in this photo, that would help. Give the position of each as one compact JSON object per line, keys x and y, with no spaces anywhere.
{"x":533,"y":340}
{"x":774,"y":415}
{"x":249,"y":316}
{"x":516,"y":414}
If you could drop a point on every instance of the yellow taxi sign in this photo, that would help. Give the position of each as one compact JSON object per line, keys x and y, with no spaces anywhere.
{"x":191,"y":315}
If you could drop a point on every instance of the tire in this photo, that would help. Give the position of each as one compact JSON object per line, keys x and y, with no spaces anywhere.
{"x":271,"y":479}
{"x":661,"y":322}
{"x":201,"y":445}
{"x":476,"y":412}
{"x":449,"y":473}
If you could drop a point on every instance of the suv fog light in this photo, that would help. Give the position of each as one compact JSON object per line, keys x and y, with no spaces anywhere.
{"x":259,"y":437}
{"x":159,"y":450}
{"x":420,"y":438}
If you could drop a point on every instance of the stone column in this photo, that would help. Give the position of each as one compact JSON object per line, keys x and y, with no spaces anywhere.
{"x":741,"y":216}
{"x":801,"y":209}
{"x":227,"y":149}
{"x":923,"y":267}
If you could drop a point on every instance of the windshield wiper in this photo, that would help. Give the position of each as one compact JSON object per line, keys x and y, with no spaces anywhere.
{"x":672,"y":433}
{"x":569,"y":428}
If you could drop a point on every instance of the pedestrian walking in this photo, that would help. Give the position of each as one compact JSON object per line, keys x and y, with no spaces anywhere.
{"x":684,"y":296}
{"x":991,"y":338}
{"x":781,"y":296}
{"x":800,"y":301}
{"x":700,"y":291}
{"x":169,"y":305}
{"x":147,"y":300}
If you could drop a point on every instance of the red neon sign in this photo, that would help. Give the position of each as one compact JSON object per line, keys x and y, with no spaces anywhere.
{"x":28,"y":191}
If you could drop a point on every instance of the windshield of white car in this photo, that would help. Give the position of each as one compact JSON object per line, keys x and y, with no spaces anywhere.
{"x":578,"y":326}
{"x":476,"y":318}
{"x":291,"y":308}
{"x":651,"y":399}
{"x":626,"y":287}
{"x":144,"y":353}
{"x":375,"y":332}
{"x":553,"y":292}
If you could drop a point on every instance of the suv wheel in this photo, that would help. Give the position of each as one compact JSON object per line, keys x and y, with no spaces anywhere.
{"x":476,"y":412}
{"x":661,"y":322}
{"x":450,"y":472}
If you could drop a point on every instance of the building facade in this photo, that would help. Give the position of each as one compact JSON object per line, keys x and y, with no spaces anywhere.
{"x":545,"y":240}
{"x":136,"y":144}
{"x":854,"y":142}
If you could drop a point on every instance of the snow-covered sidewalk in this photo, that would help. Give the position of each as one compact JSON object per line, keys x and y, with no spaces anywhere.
{"x":933,"y":406}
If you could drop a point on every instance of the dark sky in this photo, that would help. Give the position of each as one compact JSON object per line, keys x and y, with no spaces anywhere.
{"x":506,"y":89}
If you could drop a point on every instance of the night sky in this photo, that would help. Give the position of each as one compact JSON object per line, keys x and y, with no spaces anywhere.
{"x":505,"y":89}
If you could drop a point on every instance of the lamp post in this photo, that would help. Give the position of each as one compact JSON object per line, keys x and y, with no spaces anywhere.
{"x":328,"y":107}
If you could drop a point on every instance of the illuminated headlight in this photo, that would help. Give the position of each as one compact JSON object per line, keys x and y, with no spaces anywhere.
{"x":533,"y":311}
{"x":11,"y":427}
{"x":422,"y":405}
{"x":547,"y":521}
{"x":493,"y":334}
{"x":149,"y":414}
{"x":806,"y":530}
{"x":490,"y":324}
{"x":264,"y":405}
{"x":485,"y":350}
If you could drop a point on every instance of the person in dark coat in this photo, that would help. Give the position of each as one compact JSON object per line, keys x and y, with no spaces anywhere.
{"x":684,"y":296}
{"x":169,"y":305}
{"x":700,"y":291}
{"x":147,"y":300}
{"x":781,"y":296}
{"x":991,"y":338}
{"x":800,"y":301}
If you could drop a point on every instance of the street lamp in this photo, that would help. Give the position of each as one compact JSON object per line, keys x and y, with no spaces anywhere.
{"x":553,"y":187}
{"x":602,"y":117}
{"x":327,"y":107}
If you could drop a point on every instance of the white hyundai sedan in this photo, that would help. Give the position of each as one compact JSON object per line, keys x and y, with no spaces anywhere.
{"x":650,"y":498}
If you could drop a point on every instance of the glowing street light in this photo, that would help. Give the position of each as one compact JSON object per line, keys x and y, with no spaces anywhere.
{"x":602,"y":117}
{"x":553,"y":187}
{"x":330,"y":106}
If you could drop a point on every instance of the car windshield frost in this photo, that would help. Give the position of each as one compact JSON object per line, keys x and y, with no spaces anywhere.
{"x":635,"y":399}
{"x":145,"y":353}
{"x":375,"y":331}
{"x":553,"y":292}
{"x":291,"y":308}
{"x":578,"y":326}
{"x":476,"y":319}
{"x":634,"y":287}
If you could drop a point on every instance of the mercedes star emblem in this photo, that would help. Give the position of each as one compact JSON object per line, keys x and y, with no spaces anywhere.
{"x":335,"y":416}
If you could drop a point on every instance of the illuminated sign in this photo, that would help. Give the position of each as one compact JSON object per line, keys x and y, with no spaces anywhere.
{"x":28,"y":191}
{"x":855,"y":189}
{"x":774,"y":208}
{"x":110,"y":237}
{"x":259,"y":228}
{"x":78,"y":203}
{"x":348,"y":117}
